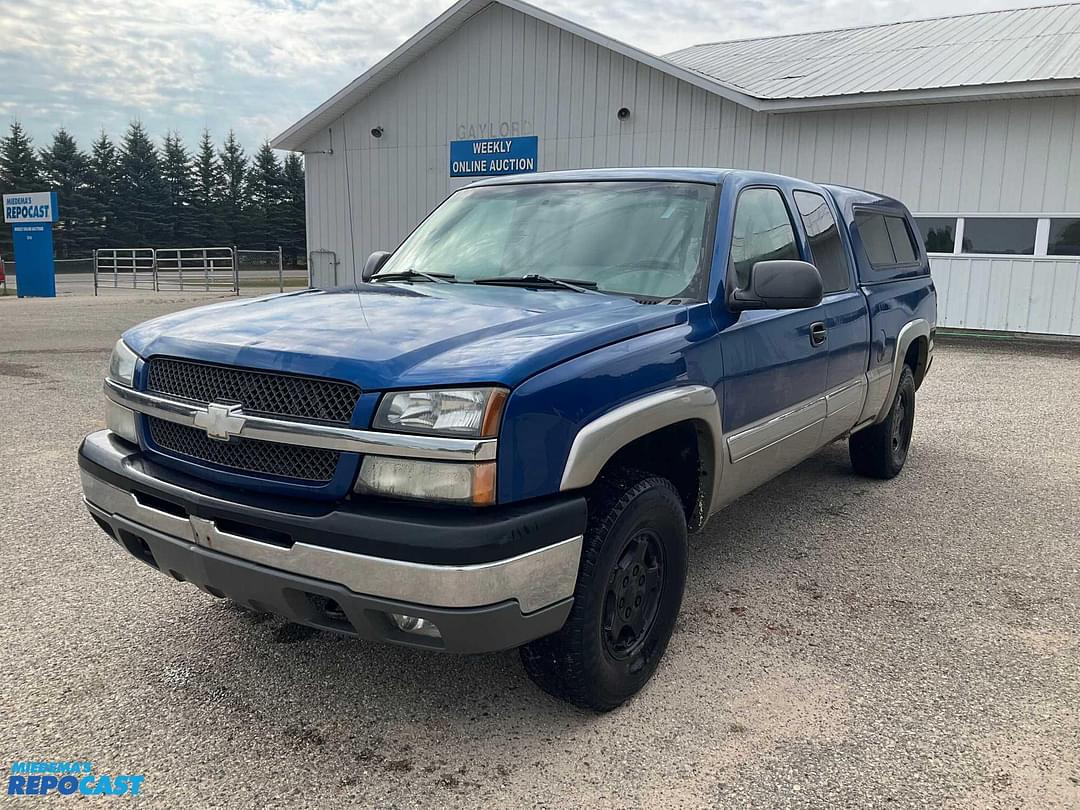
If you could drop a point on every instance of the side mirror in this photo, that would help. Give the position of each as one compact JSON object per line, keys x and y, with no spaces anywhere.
{"x":373,"y":263}
{"x":779,"y":284}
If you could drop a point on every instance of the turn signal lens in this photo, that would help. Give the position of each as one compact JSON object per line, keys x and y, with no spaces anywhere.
{"x":483,"y":484}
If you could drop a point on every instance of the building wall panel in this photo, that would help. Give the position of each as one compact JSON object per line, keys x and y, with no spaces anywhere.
{"x":1015,"y":294}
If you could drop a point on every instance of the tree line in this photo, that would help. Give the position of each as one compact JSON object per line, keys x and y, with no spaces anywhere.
{"x":134,"y":194}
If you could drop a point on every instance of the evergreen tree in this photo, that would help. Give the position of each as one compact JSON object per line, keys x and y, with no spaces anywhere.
{"x":232,"y":202}
{"x":135,"y":195}
{"x":19,"y":171}
{"x":102,"y":187}
{"x":205,"y":224}
{"x":19,"y":167}
{"x":291,"y":221}
{"x":177,"y":172}
{"x":65,"y":170}
{"x":264,"y":199}
{"x":142,"y":215}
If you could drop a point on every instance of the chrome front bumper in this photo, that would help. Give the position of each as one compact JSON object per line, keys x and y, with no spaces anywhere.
{"x":539,"y":582}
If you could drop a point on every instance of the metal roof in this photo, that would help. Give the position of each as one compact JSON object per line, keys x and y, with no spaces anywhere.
{"x":1026,"y":52}
{"x":1037,"y":47}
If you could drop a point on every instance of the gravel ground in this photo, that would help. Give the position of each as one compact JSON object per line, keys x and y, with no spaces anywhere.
{"x":842,"y":643}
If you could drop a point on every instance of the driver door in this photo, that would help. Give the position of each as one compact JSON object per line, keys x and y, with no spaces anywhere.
{"x":775,"y":361}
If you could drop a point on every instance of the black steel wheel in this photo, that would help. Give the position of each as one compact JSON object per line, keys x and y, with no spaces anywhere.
{"x":881,"y":450}
{"x":633,"y":597}
{"x":628,"y":594}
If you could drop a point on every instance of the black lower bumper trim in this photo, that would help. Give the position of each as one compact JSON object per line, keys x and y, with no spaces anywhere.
{"x":331,"y":607}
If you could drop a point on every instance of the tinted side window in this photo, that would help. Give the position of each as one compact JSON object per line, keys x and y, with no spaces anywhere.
{"x":903,"y":247}
{"x":825,"y":245}
{"x":762,"y":231}
{"x":875,"y":238}
{"x":938,"y":233}
{"x":887,"y":239}
{"x":999,"y":235}
{"x":1064,"y":237}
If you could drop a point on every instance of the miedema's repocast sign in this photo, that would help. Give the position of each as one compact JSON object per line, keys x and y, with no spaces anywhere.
{"x":32,"y":214}
{"x":33,"y":206}
{"x":493,"y":156}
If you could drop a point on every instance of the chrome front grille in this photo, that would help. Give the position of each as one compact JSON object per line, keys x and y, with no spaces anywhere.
{"x":259,"y":392}
{"x":268,"y":458}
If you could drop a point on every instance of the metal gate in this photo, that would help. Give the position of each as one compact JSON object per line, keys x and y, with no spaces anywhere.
{"x":211,"y":269}
{"x":124,"y":269}
{"x":261,"y":268}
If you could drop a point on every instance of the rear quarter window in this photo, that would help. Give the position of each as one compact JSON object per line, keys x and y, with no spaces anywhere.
{"x":875,"y":239}
{"x":888,"y":243}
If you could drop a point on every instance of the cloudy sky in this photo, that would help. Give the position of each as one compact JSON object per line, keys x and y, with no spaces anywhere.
{"x":258,"y":65}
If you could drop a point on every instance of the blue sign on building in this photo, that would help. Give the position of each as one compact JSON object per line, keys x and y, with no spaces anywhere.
{"x":32,"y":216}
{"x":493,"y":156}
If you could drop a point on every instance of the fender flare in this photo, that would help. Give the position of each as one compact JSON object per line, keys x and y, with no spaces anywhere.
{"x":599,"y":440}
{"x":909,"y":333}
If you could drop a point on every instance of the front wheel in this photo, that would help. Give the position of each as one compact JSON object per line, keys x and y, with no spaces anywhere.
{"x":628,"y":594}
{"x":880,"y":450}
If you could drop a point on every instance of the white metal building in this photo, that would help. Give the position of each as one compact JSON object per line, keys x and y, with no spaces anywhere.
{"x":973,"y":121}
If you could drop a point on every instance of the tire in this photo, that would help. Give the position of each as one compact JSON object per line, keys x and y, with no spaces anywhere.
{"x":599,"y":659}
{"x":880,"y":450}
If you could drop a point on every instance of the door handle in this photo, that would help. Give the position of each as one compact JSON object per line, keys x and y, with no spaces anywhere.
{"x":818,"y":333}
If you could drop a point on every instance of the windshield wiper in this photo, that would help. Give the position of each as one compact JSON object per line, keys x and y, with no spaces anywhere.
{"x":536,"y":280}
{"x":416,"y":275}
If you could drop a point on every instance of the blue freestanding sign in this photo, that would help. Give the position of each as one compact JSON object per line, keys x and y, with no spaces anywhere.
{"x":493,"y":156}
{"x":31,"y":216}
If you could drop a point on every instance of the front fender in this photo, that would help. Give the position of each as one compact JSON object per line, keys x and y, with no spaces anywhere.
{"x":546,"y":414}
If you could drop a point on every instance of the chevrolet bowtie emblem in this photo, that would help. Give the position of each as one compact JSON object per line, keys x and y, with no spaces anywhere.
{"x":220,"y":421}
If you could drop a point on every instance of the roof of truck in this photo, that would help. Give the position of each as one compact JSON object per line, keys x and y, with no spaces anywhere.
{"x":845,"y":196}
{"x":674,"y":174}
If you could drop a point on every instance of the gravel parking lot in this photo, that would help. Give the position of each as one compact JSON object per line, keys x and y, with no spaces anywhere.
{"x":842,"y":643}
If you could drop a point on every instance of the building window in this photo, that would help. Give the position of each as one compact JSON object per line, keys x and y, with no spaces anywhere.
{"x":762,"y":232}
{"x":938,"y":233}
{"x":1064,"y":238}
{"x":886,"y":239}
{"x":1005,"y":235}
{"x":828,"y":252}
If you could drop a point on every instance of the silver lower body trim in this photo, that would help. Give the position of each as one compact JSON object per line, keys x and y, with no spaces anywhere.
{"x":534,"y":580}
{"x":762,"y":450}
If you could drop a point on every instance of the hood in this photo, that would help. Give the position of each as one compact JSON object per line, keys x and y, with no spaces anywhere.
{"x":404,"y":335}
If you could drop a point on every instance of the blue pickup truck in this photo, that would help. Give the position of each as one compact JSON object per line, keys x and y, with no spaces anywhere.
{"x":502,"y":434}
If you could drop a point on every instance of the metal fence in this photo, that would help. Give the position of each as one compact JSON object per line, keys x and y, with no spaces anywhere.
{"x":221,"y":270}
{"x":211,"y":269}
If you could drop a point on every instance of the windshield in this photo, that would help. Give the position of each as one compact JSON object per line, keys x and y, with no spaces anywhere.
{"x":636,"y":238}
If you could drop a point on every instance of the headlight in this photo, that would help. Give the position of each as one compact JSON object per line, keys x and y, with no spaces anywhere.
{"x":122,"y":364}
{"x":118,"y":419}
{"x":471,"y":412}
{"x":428,"y":480}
